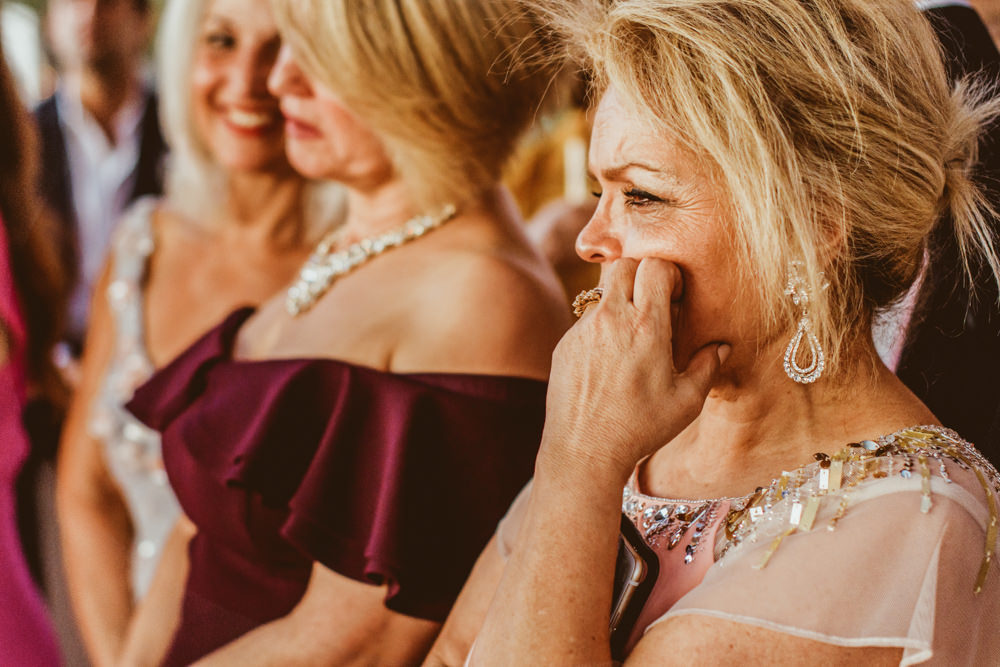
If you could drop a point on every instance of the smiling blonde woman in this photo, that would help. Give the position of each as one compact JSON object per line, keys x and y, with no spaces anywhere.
{"x":234,"y":226}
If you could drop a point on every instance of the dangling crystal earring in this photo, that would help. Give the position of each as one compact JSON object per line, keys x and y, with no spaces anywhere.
{"x":797,"y":289}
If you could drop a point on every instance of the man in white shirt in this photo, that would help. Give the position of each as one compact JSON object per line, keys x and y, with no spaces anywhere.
{"x":101,"y":143}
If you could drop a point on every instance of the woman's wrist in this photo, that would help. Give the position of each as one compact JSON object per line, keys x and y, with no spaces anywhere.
{"x":576,"y":466}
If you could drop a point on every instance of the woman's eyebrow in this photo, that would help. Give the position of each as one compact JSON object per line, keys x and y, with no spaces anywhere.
{"x":615,"y":171}
{"x":217,"y":21}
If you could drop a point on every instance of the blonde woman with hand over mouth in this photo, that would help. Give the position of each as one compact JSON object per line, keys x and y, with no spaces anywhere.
{"x":728,"y":473}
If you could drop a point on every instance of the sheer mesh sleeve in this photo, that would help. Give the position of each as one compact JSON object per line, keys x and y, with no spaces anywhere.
{"x":888,"y":576}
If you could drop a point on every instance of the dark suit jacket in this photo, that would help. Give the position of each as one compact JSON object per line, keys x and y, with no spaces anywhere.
{"x":56,"y":185}
{"x":42,"y":419}
{"x":951,"y":357}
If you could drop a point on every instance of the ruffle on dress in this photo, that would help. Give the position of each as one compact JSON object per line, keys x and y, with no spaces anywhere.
{"x":387,"y":478}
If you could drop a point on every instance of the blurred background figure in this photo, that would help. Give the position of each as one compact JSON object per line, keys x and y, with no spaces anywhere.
{"x":32,"y":293}
{"x":943,"y":337}
{"x":101,"y":142}
{"x":233,"y":228}
{"x":990,"y":11}
{"x":22,"y":49}
{"x":548,"y":178}
{"x":100,"y":148}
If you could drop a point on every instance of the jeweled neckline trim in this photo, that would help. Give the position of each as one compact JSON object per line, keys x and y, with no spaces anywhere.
{"x":632,"y":487}
{"x":791,"y":502}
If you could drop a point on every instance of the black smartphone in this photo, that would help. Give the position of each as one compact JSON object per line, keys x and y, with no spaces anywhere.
{"x":636,"y":570}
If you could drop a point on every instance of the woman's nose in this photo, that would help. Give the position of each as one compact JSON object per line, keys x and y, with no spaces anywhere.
{"x":251,"y":71}
{"x":286,"y":77}
{"x":596,"y":241}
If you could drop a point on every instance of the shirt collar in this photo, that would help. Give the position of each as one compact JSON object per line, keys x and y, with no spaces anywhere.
{"x":79,"y":121}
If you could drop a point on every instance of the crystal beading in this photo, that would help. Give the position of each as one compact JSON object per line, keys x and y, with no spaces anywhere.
{"x":798,"y":291}
{"x":791,"y":501}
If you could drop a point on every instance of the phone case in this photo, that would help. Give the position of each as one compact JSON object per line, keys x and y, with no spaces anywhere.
{"x":635,"y":574}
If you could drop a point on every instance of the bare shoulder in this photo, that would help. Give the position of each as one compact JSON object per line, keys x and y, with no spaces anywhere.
{"x":496,"y":311}
{"x":171,"y":228}
{"x":724,"y":642}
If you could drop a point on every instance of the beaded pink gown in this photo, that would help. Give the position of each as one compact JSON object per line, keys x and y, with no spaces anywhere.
{"x":26,"y":635}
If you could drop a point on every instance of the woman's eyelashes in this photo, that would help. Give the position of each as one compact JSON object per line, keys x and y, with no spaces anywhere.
{"x":220,"y":40}
{"x":636,"y":197}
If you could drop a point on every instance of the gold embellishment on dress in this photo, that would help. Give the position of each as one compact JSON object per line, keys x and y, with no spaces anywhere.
{"x":809,"y":513}
{"x":991,"y":532}
{"x":925,"y":484}
{"x":836,"y":474}
{"x":780,"y":511}
{"x":774,"y":547}
{"x":841,"y":511}
{"x":792,"y":501}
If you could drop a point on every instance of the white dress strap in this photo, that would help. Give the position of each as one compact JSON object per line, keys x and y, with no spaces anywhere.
{"x":132,"y":450}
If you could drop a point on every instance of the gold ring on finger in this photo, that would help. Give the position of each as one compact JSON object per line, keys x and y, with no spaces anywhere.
{"x":586,"y":299}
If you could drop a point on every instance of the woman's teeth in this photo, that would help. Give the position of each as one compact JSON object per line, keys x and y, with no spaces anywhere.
{"x":250,"y":120}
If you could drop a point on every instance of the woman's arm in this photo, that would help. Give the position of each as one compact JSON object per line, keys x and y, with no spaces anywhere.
{"x":338,"y":622}
{"x":466,"y":617}
{"x":552,"y":606}
{"x":157,"y":617}
{"x":554,"y":600}
{"x":95,"y":528}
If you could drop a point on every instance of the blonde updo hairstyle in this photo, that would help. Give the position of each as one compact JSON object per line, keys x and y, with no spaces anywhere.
{"x":830,"y":124}
{"x":447,"y":85}
{"x":195,"y":183}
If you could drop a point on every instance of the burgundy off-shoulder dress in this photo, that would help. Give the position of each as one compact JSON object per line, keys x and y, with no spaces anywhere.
{"x":387,"y":478}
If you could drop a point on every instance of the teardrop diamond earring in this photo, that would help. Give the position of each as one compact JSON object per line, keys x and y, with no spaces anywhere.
{"x":798,"y":290}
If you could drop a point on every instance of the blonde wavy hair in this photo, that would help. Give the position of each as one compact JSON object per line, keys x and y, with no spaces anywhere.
{"x":830,"y":124}
{"x":447,"y":85}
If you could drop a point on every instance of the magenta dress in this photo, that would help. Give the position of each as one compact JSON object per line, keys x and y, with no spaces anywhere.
{"x":26,"y":635}
{"x":386,"y":478}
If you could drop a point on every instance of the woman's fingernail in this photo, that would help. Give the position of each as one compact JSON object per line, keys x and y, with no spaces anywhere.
{"x":723,"y":352}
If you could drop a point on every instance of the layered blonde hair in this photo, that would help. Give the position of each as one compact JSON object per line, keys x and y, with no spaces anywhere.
{"x":195,"y":183}
{"x":447,"y":85}
{"x":830,"y":125}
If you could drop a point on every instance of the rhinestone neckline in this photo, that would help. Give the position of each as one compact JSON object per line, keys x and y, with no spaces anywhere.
{"x":791,"y":501}
{"x":632,"y":487}
{"x":323,"y":268}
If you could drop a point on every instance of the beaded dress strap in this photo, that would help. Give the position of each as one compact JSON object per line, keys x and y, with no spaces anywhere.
{"x":133,"y":245}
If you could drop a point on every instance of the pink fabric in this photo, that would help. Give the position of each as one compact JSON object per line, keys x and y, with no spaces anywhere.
{"x":889,"y":575}
{"x":676,"y":578}
{"x":26,"y":635}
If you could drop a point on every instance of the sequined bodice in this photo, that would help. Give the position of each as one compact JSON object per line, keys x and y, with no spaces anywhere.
{"x":898,"y":532}
{"x":802,"y":500}
{"x":132,"y":450}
